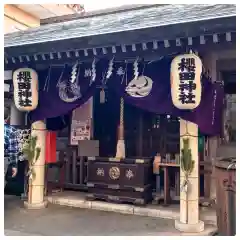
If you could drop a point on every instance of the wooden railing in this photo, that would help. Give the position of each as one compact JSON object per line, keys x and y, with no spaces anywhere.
{"x":69,"y":172}
{"x":75,"y":170}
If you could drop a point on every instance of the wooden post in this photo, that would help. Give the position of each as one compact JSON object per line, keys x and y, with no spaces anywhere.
{"x":36,"y":197}
{"x":189,"y":202}
{"x":210,"y":63}
{"x":17,"y":118}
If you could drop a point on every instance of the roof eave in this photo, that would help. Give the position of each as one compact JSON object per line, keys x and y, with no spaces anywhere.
{"x":181,"y":30}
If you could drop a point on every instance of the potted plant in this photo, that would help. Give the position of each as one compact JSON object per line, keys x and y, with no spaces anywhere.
{"x":31,"y":153}
{"x":187,"y":166}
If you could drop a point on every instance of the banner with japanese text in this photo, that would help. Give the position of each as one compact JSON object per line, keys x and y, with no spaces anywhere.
{"x":143,"y":84}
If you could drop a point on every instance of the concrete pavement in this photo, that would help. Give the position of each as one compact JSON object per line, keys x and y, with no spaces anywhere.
{"x":78,"y":199}
{"x":67,"y":221}
{"x":8,"y":232}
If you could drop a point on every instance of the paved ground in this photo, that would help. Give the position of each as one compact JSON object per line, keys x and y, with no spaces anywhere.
{"x":66,"y":221}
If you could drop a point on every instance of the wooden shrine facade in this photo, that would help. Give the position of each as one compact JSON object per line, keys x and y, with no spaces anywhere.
{"x":202,"y":29}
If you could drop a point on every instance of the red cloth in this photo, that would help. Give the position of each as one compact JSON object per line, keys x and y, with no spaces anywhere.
{"x":51,"y":139}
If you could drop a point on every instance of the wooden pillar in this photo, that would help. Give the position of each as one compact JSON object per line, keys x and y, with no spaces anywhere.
{"x":17,"y":118}
{"x":37,"y":200}
{"x":210,"y":63}
{"x":189,"y":202}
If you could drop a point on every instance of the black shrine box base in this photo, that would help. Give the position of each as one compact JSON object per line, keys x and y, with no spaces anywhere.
{"x":122,"y":181}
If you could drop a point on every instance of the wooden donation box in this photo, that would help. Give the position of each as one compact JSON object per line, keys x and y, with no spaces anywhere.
{"x":124,"y":181}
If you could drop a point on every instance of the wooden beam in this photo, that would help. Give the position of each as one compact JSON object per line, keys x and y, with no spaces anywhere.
{"x":101,"y":12}
{"x":20,"y":16}
{"x":10,"y":25}
{"x":57,"y":9}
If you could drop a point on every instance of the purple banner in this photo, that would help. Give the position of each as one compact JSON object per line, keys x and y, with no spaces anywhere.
{"x":208,"y":115}
{"x":50,"y":104}
{"x":151,"y":93}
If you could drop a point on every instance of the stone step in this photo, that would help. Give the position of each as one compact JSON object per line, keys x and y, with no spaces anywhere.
{"x":170,"y":212}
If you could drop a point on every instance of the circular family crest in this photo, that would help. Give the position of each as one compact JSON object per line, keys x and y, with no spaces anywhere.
{"x":140,"y":87}
{"x":69,"y":92}
{"x":114,"y":173}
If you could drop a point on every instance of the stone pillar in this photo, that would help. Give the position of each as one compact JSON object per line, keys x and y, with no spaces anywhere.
{"x":36,"y":197}
{"x":189,"y":222}
{"x":17,"y":117}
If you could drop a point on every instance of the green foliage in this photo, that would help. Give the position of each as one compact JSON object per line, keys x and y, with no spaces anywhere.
{"x":32,"y":154}
{"x":187,"y":164}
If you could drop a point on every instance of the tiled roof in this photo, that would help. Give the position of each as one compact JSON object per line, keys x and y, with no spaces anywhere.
{"x":156,"y":16}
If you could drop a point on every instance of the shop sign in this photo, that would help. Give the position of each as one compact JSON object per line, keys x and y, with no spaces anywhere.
{"x":186,"y":88}
{"x":25,"y":83}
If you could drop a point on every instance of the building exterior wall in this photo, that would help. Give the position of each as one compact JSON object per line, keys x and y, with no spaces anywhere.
{"x":16,"y":19}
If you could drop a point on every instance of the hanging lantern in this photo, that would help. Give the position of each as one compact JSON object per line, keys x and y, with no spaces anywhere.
{"x":25,"y":83}
{"x":186,"y":88}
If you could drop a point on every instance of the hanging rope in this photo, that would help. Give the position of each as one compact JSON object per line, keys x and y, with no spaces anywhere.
{"x":121,"y":126}
{"x":143,"y":68}
{"x":47,"y":81}
{"x":60,"y":77}
{"x":125,"y":74}
{"x":39,"y":129}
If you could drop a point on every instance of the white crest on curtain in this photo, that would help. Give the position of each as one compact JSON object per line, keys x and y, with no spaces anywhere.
{"x":70,"y":87}
{"x":139,"y":87}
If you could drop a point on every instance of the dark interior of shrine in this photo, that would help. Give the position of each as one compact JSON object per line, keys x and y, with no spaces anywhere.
{"x":146,"y":134}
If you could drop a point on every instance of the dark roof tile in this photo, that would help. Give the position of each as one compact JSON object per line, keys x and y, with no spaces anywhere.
{"x":155,"y":16}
